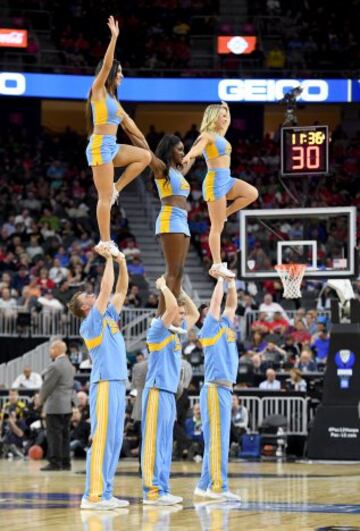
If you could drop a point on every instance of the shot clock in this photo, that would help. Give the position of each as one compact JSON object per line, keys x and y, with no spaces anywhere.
{"x":305,"y":150}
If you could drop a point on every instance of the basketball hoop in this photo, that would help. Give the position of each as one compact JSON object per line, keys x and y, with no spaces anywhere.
{"x":291,"y":276}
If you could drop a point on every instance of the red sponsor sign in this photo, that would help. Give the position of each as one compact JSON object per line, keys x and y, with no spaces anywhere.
{"x":236,"y":44}
{"x":13,"y":38}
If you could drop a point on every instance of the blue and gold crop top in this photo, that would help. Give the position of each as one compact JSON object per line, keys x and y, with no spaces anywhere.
{"x":107,"y":111}
{"x":176,"y":184}
{"x":220,"y":146}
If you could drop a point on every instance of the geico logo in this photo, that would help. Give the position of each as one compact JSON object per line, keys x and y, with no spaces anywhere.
{"x":271,"y":89}
{"x":12,"y":84}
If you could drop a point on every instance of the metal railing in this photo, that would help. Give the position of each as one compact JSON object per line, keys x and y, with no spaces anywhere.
{"x":293,"y":408}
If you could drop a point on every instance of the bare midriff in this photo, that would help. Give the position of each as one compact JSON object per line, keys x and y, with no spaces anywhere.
{"x":222,"y":162}
{"x":174,"y":200}
{"x":105,"y":129}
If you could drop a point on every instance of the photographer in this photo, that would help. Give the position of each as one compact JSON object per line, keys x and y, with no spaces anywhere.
{"x":13,"y":434}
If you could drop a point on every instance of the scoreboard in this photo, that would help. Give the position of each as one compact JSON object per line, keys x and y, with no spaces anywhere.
{"x":304,"y":150}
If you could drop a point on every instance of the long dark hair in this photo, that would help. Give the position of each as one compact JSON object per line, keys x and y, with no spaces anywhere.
{"x":164,"y":151}
{"x":110,"y":88}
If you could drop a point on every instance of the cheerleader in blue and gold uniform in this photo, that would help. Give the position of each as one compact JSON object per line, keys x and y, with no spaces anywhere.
{"x":218,"y":185}
{"x":172,"y":222}
{"x":105,"y":114}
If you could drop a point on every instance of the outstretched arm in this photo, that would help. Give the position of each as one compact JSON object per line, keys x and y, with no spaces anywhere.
{"x":122,"y":284}
{"x":139,"y":140}
{"x":199,"y":145}
{"x":107,"y":283}
{"x":216,"y":299}
{"x":99,"y":82}
{"x":171,"y":307}
{"x":192,"y":313}
{"x":231,"y":301}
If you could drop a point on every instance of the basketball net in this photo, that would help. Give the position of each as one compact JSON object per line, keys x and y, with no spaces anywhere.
{"x":291,"y":276}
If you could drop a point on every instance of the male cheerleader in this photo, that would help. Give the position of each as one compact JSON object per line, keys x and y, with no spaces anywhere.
{"x":106,"y":347}
{"x":158,"y":407}
{"x":218,"y":340}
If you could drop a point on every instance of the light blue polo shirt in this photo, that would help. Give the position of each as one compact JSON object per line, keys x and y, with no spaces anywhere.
{"x":218,"y":339}
{"x":105,"y":344}
{"x":164,"y":359}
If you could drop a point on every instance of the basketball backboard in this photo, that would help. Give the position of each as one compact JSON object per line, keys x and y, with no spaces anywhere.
{"x":322,"y":238}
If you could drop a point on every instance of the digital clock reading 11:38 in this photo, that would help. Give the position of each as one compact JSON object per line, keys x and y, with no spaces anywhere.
{"x":305,"y":150}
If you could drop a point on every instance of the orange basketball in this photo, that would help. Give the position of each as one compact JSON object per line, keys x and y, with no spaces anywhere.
{"x":36,"y":452}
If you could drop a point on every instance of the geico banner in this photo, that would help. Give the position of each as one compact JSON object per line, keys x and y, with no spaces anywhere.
{"x":181,"y":90}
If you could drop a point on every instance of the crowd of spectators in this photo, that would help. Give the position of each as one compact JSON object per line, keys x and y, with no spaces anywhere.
{"x":48,"y":230}
{"x":156,"y":37}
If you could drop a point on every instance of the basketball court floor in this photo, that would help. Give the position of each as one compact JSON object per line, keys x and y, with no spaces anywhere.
{"x":281,"y":496}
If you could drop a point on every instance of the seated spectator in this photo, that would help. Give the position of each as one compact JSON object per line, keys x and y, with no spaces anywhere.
{"x":239,"y":420}
{"x":310,"y":321}
{"x":272,"y":355}
{"x":49,"y":303}
{"x":270,"y":307}
{"x":130,"y":249}
{"x":320,"y":343}
{"x":153,"y":301}
{"x":43,"y":281}
{"x":306,"y":362}
{"x":261,"y":324}
{"x":57,"y":272}
{"x":193,"y":428}
{"x":279,"y":324}
{"x":7,"y":303}
{"x":258,"y":343}
{"x":271,"y":383}
{"x":79,"y":434}
{"x":83,"y":404}
{"x":191,"y":343}
{"x":296,"y":382}
{"x":133,"y":297}
{"x":27,"y":380}
{"x":34,"y":249}
{"x":135,"y":266}
{"x":292,"y":351}
{"x":300,"y":335}
{"x":13,"y":435}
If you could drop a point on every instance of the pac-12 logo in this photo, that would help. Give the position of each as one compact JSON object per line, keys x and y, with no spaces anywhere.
{"x":344,"y":360}
{"x":12,"y":84}
{"x":271,"y":89}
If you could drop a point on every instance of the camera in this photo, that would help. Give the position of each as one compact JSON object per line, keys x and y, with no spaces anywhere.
{"x":290,"y":100}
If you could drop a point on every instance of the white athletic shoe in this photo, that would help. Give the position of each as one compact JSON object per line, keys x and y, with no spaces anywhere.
{"x":200,"y":492}
{"x":114,"y":197}
{"x":177,"y":329}
{"x":110,"y":246}
{"x":221,"y":270}
{"x":119,"y":502}
{"x":166,"y":499}
{"x":214,"y":495}
{"x":230,"y":496}
{"x":103,"y":505}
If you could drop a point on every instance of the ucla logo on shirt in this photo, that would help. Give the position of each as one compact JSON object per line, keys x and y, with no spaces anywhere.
{"x":177,"y":343}
{"x":230,"y":335}
{"x":114,"y":327}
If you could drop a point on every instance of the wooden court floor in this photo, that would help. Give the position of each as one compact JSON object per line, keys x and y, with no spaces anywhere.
{"x":279,"y":496}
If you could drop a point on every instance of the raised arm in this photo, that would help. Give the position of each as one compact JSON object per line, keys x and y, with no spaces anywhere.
{"x":171,"y":307}
{"x":199,"y":145}
{"x":122,"y":284}
{"x":192,"y":313}
{"x":231,"y":301}
{"x":216,"y":299}
{"x":107,"y":283}
{"x":99,"y":82}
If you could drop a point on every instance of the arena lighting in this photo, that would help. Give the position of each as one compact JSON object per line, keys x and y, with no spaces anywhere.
{"x":178,"y":90}
{"x":13,"y":38}
{"x":238,"y":44}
